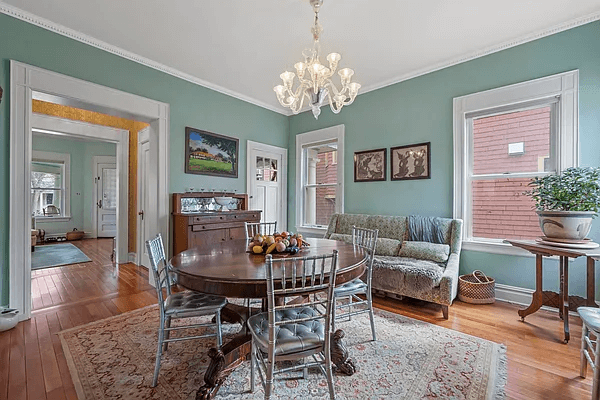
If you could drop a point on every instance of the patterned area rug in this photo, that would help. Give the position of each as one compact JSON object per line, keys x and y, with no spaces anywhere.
{"x":54,"y":255}
{"x":114,"y":359}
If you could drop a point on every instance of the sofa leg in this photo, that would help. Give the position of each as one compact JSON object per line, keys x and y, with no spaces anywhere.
{"x":445,"y":311}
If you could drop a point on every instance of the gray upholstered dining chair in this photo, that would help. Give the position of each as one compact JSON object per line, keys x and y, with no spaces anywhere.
{"x":179,"y":305}
{"x":367,"y":240}
{"x":260,"y":228}
{"x":591,"y":324}
{"x":252,"y":229}
{"x":294,"y":332}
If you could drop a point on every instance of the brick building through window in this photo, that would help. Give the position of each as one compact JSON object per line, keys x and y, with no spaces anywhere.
{"x":511,"y":144}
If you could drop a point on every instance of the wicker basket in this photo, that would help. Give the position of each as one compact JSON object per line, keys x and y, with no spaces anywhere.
{"x":75,"y":234}
{"x":476,"y":288}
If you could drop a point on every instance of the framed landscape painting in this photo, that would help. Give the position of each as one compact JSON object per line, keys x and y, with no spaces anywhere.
{"x":411,"y":162}
{"x":208,"y":153}
{"x":369,"y":166}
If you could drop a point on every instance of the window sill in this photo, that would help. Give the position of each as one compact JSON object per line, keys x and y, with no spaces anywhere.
{"x":52,"y":219}
{"x":495,"y":248}
{"x":312,"y":230}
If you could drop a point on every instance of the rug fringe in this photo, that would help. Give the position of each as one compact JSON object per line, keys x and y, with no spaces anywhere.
{"x":501,"y":378}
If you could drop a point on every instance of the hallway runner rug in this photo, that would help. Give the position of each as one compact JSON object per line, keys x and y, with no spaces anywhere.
{"x":114,"y":359}
{"x":55,"y":255}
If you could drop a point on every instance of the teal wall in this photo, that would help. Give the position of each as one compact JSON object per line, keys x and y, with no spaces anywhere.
{"x":191,"y":105}
{"x":420,"y":110}
{"x":82,"y":180}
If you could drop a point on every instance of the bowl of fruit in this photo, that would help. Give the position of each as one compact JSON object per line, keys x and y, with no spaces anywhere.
{"x":278,"y":243}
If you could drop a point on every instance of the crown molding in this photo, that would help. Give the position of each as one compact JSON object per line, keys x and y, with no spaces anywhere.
{"x":80,"y":37}
{"x":574,"y":23}
{"x":33,"y":19}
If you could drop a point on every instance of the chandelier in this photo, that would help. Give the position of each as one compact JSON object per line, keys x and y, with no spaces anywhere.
{"x":314,"y":78}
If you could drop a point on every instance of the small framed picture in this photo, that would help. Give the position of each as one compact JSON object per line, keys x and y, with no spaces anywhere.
{"x":370,"y":165}
{"x":208,"y":153}
{"x":411,"y":162}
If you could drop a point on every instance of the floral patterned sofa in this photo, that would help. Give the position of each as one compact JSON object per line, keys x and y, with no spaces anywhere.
{"x":417,"y":269}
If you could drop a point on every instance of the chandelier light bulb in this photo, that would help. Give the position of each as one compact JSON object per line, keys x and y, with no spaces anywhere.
{"x":316,"y":87}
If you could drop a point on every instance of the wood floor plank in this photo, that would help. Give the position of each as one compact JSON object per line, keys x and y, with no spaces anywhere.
{"x":17,"y":377}
{"x":5,"y":362}
{"x":33,"y":361}
{"x":51,"y":373}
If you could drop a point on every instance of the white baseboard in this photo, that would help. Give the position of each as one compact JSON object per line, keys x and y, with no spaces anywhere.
{"x":513,"y":294}
{"x":133,"y":257}
{"x":521,"y":296}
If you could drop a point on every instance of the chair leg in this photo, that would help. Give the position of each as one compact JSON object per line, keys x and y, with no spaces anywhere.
{"x":595,"y":389}
{"x":371,"y":315}
{"x":219,"y":334}
{"x":584,"y":348}
{"x":329,"y":372}
{"x":252,"y":366}
{"x":333,"y":314}
{"x":161,"y":335}
{"x":167,"y":334}
{"x":445,"y":311}
{"x":270,"y":372}
{"x":349,"y":308}
{"x":305,"y":372}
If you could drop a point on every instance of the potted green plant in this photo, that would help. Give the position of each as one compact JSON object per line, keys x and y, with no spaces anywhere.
{"x":567,"y":202}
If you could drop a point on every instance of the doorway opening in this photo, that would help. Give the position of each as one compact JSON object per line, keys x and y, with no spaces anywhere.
{"x":30,"y":83}
{"x":267,"y":182}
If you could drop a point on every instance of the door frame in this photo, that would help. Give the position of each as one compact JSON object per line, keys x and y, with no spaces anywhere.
{"x":143,"y":137}
{"x":25,"y":80}
{"x":283,"y":172}
{"x":107,"y":160}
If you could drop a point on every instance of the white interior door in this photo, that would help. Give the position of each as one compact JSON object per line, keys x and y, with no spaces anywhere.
{"x":143,"y":206}
{"x":106,"y":205}
{"x":267,"y":182}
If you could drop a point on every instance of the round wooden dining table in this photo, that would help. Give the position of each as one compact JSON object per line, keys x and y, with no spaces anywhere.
{"x":233,"y":272}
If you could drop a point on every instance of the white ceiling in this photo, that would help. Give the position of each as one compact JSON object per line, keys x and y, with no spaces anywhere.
{"x":240,"y":46}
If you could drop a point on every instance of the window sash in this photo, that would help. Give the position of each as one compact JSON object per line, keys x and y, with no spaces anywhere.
{"x":554,"y":105}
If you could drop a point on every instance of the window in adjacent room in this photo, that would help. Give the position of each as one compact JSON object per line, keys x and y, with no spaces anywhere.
{"x":50,"y":185}
{"x":503,"y":138}
{"x":319,"y":178}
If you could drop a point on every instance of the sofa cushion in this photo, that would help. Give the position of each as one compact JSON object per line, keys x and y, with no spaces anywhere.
{"x":391,"y":227}
{"x":425,"y":251}
{"x":385,"y":246}
{"x":398,"y":274}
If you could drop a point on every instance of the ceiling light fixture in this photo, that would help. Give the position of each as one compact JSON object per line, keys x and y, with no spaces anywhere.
{"x":315,"y":84}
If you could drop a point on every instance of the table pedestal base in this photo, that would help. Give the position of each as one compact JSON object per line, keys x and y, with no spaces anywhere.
{"x":232,"y":354}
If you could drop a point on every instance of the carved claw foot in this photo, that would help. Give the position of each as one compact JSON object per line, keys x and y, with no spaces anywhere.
{"x":339,"y":354}
{"x":214,"y":376}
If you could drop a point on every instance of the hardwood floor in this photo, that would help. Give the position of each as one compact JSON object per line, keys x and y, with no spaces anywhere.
{"x":33,"y":366}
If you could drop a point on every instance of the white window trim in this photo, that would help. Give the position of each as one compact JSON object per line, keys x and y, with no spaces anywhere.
{"x":65,"y":159}
{"x":564,"y":87}
{"x":307,"y":139}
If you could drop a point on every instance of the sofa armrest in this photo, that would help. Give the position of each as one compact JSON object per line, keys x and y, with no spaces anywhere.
{"x":449,"y":282}
{"x":331,"y":228}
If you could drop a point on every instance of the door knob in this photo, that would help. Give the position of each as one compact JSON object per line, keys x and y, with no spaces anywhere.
{"x":99,"y":203}
{"x":142,"y":214}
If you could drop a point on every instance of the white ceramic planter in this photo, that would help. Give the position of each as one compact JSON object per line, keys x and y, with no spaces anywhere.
{"x":9,"y":317}
{"x":573,"y":225}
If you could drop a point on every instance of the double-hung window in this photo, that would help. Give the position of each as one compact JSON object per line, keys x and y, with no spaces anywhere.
{"x":319,"y":178}
{"x":502,"y":139}
{"x":50,"y":194}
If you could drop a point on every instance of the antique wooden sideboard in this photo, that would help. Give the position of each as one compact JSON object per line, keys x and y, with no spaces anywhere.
{"x":199,"y":223}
